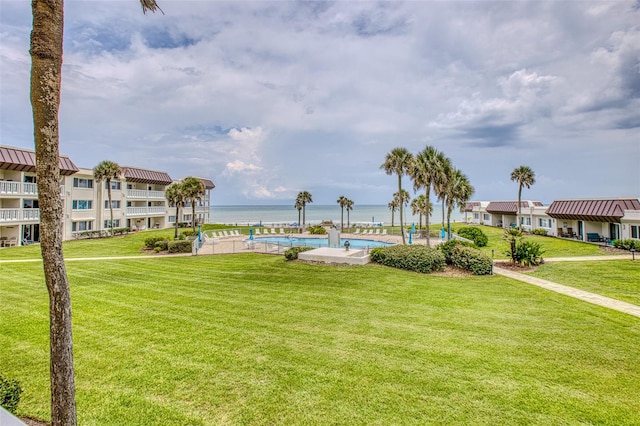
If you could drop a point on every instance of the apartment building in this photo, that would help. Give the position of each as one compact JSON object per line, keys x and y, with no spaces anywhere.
{"x":138,"y":199}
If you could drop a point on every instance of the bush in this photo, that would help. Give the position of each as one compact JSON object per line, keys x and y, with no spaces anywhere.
{"x":447,"y":248}
{"x":528,"y":253}
{"x":162,"y":245}
{"x":189,"y":233}
{"x":10,"y":391}
{"x":416,"y":258}
{"x":179,"y":246}
{"x":474,"y":234}
{"x":317,"y":230}
{"x":540,"y":231}
{"x":376,"y":254}
{"x":471,"y":259}
{"x":292,"y":253}
{"x":627,"y":244}
{"x":150,"y":242}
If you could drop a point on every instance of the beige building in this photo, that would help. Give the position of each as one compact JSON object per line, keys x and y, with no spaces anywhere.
{"x":138,"y":200}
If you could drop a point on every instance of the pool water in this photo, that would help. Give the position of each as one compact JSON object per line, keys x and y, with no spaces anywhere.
{"x":321,"y":242}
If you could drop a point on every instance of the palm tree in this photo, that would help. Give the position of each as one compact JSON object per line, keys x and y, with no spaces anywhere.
{"x":426,"y":173}
{"x":298,"y":206}
{"x":398,"y":161}
{"x":46,"y":76}
{"x":304,"y":197}
{"x":441,"y":185}
{"x":107,"y":171}
{"x":402,"y":199}
{"x":525,"y":176}
{"x":419,"y":207}
{"x":348,"y":207}
{"x":393,"y":206}
{"x":342,"y":201}
{"x":175,"y":197}
{"x":458,"y":193}
{"x":193,"y":190}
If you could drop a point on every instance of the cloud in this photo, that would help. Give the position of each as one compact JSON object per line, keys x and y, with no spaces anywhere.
{"x":241,"y":167}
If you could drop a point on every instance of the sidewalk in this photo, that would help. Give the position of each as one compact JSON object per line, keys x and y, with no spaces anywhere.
{"x":586,"y":296}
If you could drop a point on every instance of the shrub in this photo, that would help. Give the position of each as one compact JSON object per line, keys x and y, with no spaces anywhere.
{"x":447,"y":247}
{"x":376,"y":254}
{"x":292,"y":253}
{"x":162,"y":245}
{"x":317,"y":230}
{"x":179,"y":246}
{"x":416,"y":258}
{"x":528,"y":253}
{"x":10,"y":391}
{"x":150,"y":242}
{"x":471,"y":259}
{"x":189,"y":233}
{"x":474,"y":234}
{"x":540,"y":231}
{"x":627,"y":244}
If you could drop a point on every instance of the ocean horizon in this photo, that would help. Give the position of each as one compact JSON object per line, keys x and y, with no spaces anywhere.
{"x":317,"y":213}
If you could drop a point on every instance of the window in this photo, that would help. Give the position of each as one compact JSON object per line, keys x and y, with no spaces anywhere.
{"x":115,"y":185}
{"x":486,"y":217}
{"x":82,"y":183}
{"x":85,"y":225}
{"x":635,"y":231}
{"x":116,"y":223}
{"x":114,"y":203}
{"x":82,"y":204}
{"x":186,"y":217}
{"x":545,"y":223}
{"x":172,"y":219}
{"x":476,"y":215}
{"x":526,"y":220}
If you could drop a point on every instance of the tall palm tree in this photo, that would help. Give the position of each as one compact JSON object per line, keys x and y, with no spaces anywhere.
{"x":348,"y":207}
{"x":193,"y":190}
{"x":441,"y":184}
{"x":393,"y":206}
{"x":107,"y":171}
{"x":398,"y":162}
{"x":402,"y":198}
{"x":426,"y":173}
{"x":525,"y":176}
{"x":458,"y":193}
{"x":342,"y":202}
{"x":304,"y":197}
{"x":175,"y":197}
{"x":46,"y":76}
{"x":298,"y":205}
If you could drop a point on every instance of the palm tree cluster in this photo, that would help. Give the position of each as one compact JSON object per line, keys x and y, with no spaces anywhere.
{"x":303,"y":198}
{"x":107,"y":171}
{"x":429,"y":169}
{"x":188,"y":190}
{"x":345,"y":204}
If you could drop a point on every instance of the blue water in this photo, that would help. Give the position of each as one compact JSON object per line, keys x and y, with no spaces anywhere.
{"x":321,"y":242}
{"x":286,"y":215}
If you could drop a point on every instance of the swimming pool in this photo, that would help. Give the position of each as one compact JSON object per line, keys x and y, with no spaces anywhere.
{"x":320,"y":242}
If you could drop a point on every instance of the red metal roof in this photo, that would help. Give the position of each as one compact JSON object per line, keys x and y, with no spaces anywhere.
{"x":509,"y":207}
{"x":208,"y":183}
{"x":596,"y":210}
{"x":136,"y":175}
{"x":470,"y":205}
{"x":24,"y":160}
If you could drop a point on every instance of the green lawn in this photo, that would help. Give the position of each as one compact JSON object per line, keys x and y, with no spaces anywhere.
{"x":252,"y":339}
{"x":619,"y":279}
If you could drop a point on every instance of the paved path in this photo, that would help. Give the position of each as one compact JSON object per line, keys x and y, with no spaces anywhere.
{"x":586,"y":296}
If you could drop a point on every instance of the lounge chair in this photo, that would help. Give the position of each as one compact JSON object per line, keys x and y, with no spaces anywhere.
{"x":384,"y":231}
{"x":273,"y":231}
{"x":281,"y":231}
{"x":357,"y":231}
{"x":378,"y":231}
{"x":257,"y":231}
{"x":225,"y":234}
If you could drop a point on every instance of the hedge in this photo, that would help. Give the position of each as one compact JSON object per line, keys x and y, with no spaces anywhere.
{"x":472,"y":260}
{"x":418,"y":258}
{"x":474,"y":234}
{"x":627,"y":244}
{"x":181,"y":246}
{"x":150,"y":242}
{"x":292,"y":253}
{"x":10,"y":391}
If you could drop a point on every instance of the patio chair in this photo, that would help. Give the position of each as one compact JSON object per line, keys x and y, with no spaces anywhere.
{"x":384,"y":231}
{"x":273,"y":231}
{"x":378,"y":231}
{"x":257,"y":231}
{"x":281,"y":231}
{"x":357,"y":231}
{"x":3,"y":240}
{"x":11,"y":242}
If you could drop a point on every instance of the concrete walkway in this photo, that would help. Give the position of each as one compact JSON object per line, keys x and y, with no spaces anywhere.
{"x":586,"y":296}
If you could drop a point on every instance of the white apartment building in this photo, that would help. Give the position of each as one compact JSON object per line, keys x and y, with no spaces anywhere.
{"x":138,"y":200}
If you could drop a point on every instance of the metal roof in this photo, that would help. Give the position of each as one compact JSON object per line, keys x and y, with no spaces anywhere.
{"x":208,"y":183}
{"x":510,"y":207}
{"x":136,"y":175}
{"x":24,"y":160}
{"x":468,"y":207}
{"x":595,"y":210}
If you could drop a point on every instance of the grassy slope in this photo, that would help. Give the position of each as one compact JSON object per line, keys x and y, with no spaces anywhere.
{"x":619,"y":279}
{"x":250,"y":339}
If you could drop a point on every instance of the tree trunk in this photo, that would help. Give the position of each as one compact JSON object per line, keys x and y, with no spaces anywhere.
{"x":426,"y":218}
{"x":110,"y":207}
{"x":348,"y":222}
{"x":341,"y":218}
{"x":193,"y":214}
{"x":175,"y":233}
{"x":304,"y":213}
{"x":519,"y":207}
{"x":46,"y":64}
{"x":401,"y":202}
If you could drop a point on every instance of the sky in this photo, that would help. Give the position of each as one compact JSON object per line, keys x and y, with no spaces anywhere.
{"x":269,"y":98}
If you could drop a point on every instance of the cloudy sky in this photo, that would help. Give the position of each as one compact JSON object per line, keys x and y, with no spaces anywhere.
{"x":268,"y":98}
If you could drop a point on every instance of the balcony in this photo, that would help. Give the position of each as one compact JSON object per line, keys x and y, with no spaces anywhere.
{"x":19,"y":215}
{"x":146,"y":211}
{"x":21,"y":189}
{"x":144,"y":194}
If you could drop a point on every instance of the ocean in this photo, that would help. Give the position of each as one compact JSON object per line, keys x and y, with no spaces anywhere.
{"x":285,"y":214}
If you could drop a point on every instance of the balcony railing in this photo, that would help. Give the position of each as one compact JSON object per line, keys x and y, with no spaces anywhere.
{"x":19,"y":215}
{"x":144,"y":194}
{"x":19,"y":189}
{"x":146,"y":211}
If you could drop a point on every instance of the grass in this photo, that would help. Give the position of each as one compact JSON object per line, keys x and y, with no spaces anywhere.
{"x":618,"y":279}
{"x":252,"y":339}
